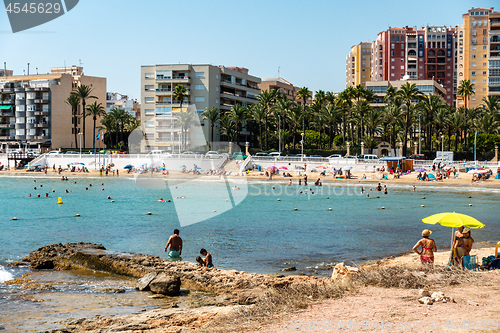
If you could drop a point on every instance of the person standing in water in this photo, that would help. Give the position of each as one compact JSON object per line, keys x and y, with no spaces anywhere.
{"x":174,"y":245}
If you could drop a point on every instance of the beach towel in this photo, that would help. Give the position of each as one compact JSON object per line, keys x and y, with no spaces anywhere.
{"x":497,"y":176}
{"x":432,"y":177}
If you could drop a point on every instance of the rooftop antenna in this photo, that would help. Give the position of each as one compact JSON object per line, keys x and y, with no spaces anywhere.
{"x":80,"y":61}
{"x":64,"y":64}
{"x":278,"y":72}
{"x":28,"y":68}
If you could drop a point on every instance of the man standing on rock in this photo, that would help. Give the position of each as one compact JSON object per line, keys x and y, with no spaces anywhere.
{"x":174,"y":246}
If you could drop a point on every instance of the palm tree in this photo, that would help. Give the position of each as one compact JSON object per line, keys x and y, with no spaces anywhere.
{"x":295,"y":121}
{"x":179,"y":93}
{"x":492,"y":106}
{"x":428,"y":107}
{"x":319,"y":122}
{"x":184,"y":119}
{"x":119,"y":118}
{"x":212,"y":115}
{"x":393,"y":117}
{"x":238,"y":115}
{"x":408,"y":93}
{"x":330,"y":112}
{"x":362,"y":107}
{"x":344,"y":102}
{"x":258,"y":114}
{"x":83,"y":92}
{"x":456,"y":124}
{"x":486,"y":124}
{"x":227,"y":127}
{"x":73,"y":101}
{"x":95,"y":110}
{"x":373,"y":122}
{"x":304,"y":93}
{"x":330,"y":98}
{"x":283,"y":107}
{"x":465,"y":90}
{"x":266,"y":100}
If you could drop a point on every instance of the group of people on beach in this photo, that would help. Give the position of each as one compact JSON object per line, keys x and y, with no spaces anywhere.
{"x":461,"y":247}
{"x":174,"y":249}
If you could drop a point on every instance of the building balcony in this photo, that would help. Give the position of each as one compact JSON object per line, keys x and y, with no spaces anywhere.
{"x":42,"y":113}
{"x":30,"y":137}
{"x":7,"y":102}
{"x":7,"y":90}
{"x":7,"y":114}
{"x":42,"y":89}
{"x":42,"y":101}
{"x":20,"y":137}
{"x":40,"y":137}
{"x":7,"y":137}
{"x":42,"y":125}
{"x":12,"y":126}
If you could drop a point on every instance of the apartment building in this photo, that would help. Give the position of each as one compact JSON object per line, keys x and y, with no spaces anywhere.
{"x":6,"y":72}
{"x":479,"y":54}
{"x":359,"y":65}
{"x":34,"y":112}
{"x":206,"y":86}
{"x":119,"y":101}
{"x":428,"y":53}
{"x":427,"y":87}
{"x":285,"y":88}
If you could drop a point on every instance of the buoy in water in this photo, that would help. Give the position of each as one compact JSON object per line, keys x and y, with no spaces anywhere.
{"x":470,"y":204}
{"x":77,"y":215}
{"x":382,"y":207}
{"x":470,"y":197}
{"x":59,"y":200}
{"x":148,"y":213}
{"x":14,"y":218}
{"x":279,"y":199}
{"x":227,"y":200}
{"x":423,"y":197}
{"x":53,"y":191}
{"x":112,"y":201}
{"x":328,"y":197}
{"x":422,"y":206}
{"x":329,"y":209}
{"x":295,"y":209}
{"x":169,"y":200}
{"x":214,"y":211}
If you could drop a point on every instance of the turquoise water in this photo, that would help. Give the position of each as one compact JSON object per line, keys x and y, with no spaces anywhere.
{"x":260,"y":234}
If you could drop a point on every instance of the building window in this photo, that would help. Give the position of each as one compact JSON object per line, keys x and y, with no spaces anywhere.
{"x":473,"y":73}
{"x":216,"y":88}
{"x":484,"y":47}
{"x":392,"y":67}
{"x":149,"y":112}
{"x":199,"y":111}
{"x":484,"y":81}
{"x":164,"y":110}
{"x":402,"y":67}
{"x":149,"y":99}
{"x":392,"y":46}
{"x":199,"y":74}
{"x":392,"y":74}
{"x":149,"y":75}
{"x":216,"y":101}
{"x":150,"y":123}
{"x":473,"y":98}
{"x":473,"y":82}
{"x":484,"y":55}
{"x":473,"y":56}
{"x":392,"y":59}
{"x":149,"y":88}
{"x":392,"y":53}
{"x":473,"y":64}
{"x":485,"y":31}
{"x":484,"y":89}
{"x":484,"y":73}
{"x":484,"y":64}
{"x":199,"y":87}
{"x":402,"y":54}
{"x":402,"y":47}
{"x":199,"y":99}
{"x":485,"y":40}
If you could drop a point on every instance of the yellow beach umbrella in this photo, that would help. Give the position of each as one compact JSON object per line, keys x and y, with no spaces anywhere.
{"x":454,"y":220}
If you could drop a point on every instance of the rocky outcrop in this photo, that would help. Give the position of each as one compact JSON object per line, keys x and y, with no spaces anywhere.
{"x":164,"y":284}
{"x":238,"y":287}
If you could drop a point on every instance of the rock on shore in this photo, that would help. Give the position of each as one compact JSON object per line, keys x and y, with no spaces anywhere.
{"x":230,"y":286}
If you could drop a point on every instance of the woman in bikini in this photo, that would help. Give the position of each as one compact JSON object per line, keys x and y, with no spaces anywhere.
{"x":428,"y":248}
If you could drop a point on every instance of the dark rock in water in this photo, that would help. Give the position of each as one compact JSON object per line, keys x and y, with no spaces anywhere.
{"x":166,"y":285}
{"x":42,"y":264}
{"x":143,"y":283}
{"x":289,"y":269}
{"x":16,"y":264}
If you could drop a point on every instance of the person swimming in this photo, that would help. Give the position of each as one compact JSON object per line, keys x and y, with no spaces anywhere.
{"x":162,"y":200}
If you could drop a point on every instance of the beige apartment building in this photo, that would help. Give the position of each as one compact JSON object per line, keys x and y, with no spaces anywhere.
{"x":285,"y":88}
{"x":478,"y":57}
{"x":206,"y":86}
{"x":34,"y":113}
{"x":359,"y":65}
{"x":427,"y":87}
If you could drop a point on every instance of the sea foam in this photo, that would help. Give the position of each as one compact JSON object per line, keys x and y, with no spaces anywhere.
{"x":5,"y":275}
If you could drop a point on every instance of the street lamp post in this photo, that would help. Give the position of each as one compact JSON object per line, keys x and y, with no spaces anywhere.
{"x":302,"y":147}
{"x":442,"y":145}
{"x":475,"y":138}
{"x":80,"y":135}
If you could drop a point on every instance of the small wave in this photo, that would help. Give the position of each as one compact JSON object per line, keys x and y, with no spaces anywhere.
{"x":4,"y":275}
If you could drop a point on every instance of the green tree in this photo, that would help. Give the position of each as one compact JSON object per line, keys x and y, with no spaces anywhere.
{"x":238,"y":114}
{"x":266,"y":100}
{"x":330,"y":113}
{"x":465,"y":89}
{"x":428,"y":107}
{"x":258,"y":114}
{"x":304,"y":93}
{"x":74,"y":101}
{"x":179,"y":93}
{"x":408,"y":93}
{"x":212,"y":115}
{"x":95,"y":110}
{"x":83,"y":93}
{"x":184,"y":119}
{"x":227,"y":127}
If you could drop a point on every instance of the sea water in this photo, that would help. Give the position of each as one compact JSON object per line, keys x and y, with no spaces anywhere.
{"x":260,"y":234}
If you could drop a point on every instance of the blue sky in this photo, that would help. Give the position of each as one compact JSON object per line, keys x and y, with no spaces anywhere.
{"x":308,"y":40}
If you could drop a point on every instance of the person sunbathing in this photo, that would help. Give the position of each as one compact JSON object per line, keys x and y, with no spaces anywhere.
{"x":428,"y":248}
